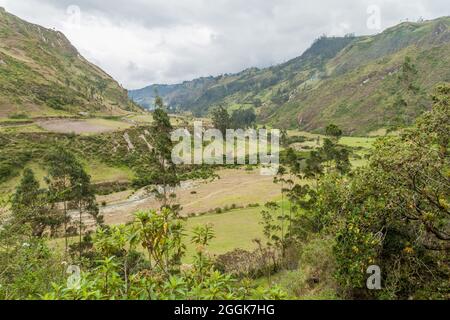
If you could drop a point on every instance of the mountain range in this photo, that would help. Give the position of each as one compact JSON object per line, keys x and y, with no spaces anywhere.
{"x":361,"y":83}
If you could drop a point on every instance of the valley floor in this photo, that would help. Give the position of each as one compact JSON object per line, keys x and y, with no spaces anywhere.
{"x":234,"y":187}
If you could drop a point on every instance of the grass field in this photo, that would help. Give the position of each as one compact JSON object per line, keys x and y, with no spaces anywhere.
{"x":101,"y":172}
{"x":7,"y":188}
{"x":141,"y":118}
{"x":233,"y":230}
{"x":362,"y":145}
{"x":362,"y":142}
{"x":365,"y":142}
{"x":238,"y":187}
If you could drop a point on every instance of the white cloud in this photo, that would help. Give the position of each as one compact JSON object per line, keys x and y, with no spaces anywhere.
{"x":140,"y":42}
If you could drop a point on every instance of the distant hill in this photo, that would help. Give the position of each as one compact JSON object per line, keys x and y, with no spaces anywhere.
{"x":42,"y":74}
{"x":360,"y":83}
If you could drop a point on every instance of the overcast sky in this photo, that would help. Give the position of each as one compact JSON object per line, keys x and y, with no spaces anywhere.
{"x":141,"y":42}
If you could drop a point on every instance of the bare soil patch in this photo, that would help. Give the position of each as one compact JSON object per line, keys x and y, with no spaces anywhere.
{"x":80,"y":126}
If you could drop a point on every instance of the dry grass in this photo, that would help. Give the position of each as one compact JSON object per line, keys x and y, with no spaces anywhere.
{"x":237,"y":187}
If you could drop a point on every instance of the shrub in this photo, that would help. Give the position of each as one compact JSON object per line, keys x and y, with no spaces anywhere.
{"x":242,"y":263}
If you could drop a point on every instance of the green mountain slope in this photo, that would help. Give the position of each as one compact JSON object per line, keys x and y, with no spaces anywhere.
{"x":42,"y":74}
{"x":244,"y":88}
{"x":359,"y":83}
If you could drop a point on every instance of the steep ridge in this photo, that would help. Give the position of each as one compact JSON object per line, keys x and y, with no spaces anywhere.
{"x":43,"y":74}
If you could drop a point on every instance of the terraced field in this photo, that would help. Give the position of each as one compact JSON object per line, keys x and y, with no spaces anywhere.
{"x":90,"y":126}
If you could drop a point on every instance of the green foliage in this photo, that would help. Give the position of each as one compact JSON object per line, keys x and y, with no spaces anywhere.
{"x":28,"y":265}
{"x":12,"y":162}
{"x":393,"y":213}
{"x":29,"y":206}
{"x":114,"y":268}
{"x":243,"y":118}
{"x":70,"y":186}
{"x":221,"y":119}
{"x":272,"y":229}
{"x":110,"y":150}
{"x":313,"y":280}
{"x":158,"y":172}
{"x":160,"y":235}
{"x":333,"y":131}
{"x":396,"y":212}
{"x":202,"y":235}
{"x":239,"y":119}
{"x":117,"y":271}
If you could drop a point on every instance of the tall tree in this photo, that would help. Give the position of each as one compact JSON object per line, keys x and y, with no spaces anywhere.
{"x":69,"y":185}
{"x":61,"y":164}
{"x":83,"y":199}
{"x":243,"y":118}
{"x":334,"y":132}
{"x":334,"y":155}
{"x":221,"y":119}
{"x":397,"y":212}
{"x":162,"y":172}
{"x":29,"y":206}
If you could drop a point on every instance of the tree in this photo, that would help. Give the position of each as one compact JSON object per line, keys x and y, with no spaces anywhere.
{"x":274,"y":234}
{"x":284,"y":138}
{"x":29,"y":206}
{"x":69,"y":185}
{"x":83,"y":199}
{"x":159,"y":103}
{"x":201,"y":238}
{"x":243,"y":118}
{"x":162,"y":172}
{"x":28,"y":267}
{"x":61,"y":165}
{"x":396,"y":211}
{"x":160,"y":235}
{"x":221,"y":119}
{"x":334,"y":132}
{"x":335,"y":156}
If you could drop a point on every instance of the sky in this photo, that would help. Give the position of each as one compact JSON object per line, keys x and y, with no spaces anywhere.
{"x":142,"y":42}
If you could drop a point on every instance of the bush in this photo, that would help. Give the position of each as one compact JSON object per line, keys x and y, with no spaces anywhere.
{"x":18,"y":116}
{"x":313,"y":279}
{"x":245,"y":264}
